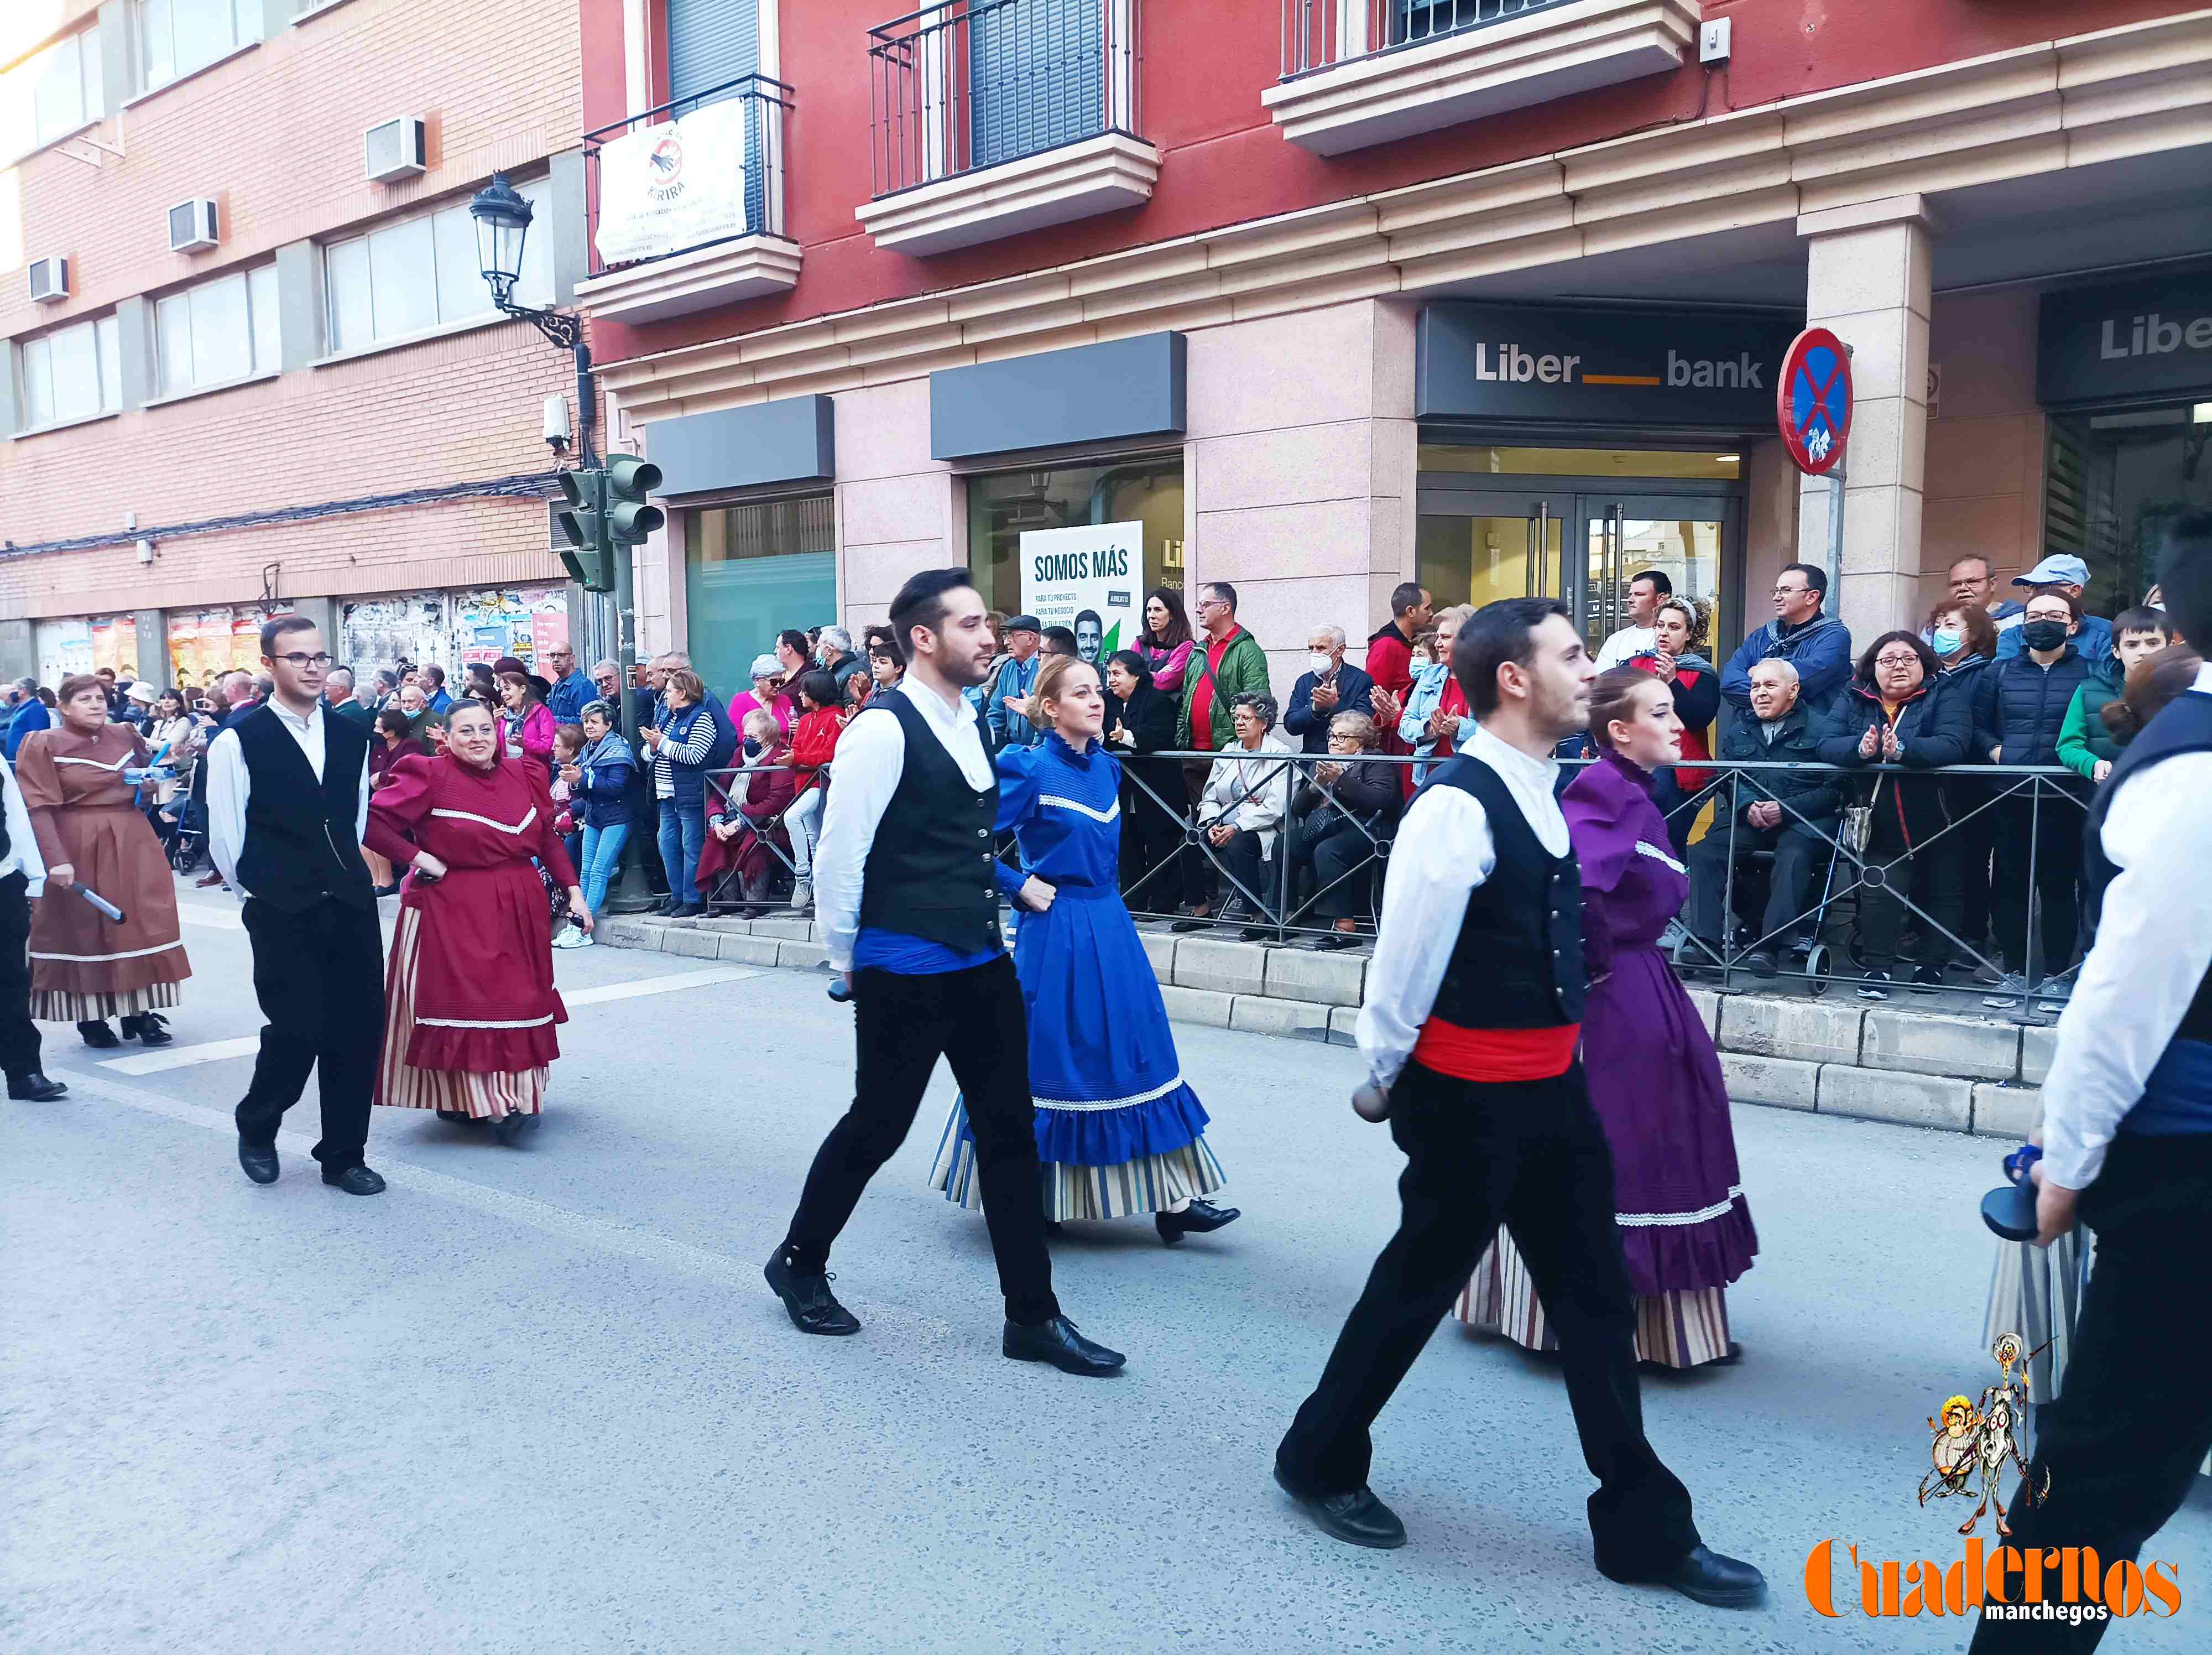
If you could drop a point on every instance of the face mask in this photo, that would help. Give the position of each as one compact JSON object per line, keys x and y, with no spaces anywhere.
{"x":2043,"y":634}
{"x":1321,"y":664}
{"x":1947,"y":642}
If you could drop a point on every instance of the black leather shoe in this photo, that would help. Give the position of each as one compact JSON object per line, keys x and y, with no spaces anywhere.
{"x":259,"y":1161}
{"x":1198,"y":1218}
{"x":97,"y":1035}
{"x":1357,"y":1517}
{"x":511,"y":1127}
{"x":1708,"y":1578}
{"x":808,"y":1301}
{"x":1058,"y":1342}
{"x":148,"y":1028}
{"x":354,"y":1180}
{"x":35,"y":1086}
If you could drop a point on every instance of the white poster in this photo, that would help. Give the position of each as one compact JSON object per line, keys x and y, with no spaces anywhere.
{"x":673,"y":185}
{"x":1088,"y":579}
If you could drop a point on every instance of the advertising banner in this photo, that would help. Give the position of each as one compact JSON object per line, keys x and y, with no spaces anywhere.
{"x":674,"y":186}
{"x":1088,"y":579}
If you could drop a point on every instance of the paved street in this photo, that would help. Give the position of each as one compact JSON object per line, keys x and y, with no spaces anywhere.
{"x":539,"y":1399}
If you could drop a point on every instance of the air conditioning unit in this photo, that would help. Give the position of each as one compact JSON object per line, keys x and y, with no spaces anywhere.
{"x":48,"y":280}
{"x":192,"y":225}
{"x":394,"y":150}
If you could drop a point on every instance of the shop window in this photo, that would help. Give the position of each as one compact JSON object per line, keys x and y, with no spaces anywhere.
{"x":1006,"y":505}
{"x":176,"y":37}
{"x":73,"y":373}
{"x":749,"y":571}
{"x":2111,"y":481}
{"x":424,"y":272}
{"x":51,"y":94}
{"x":218,"y":331}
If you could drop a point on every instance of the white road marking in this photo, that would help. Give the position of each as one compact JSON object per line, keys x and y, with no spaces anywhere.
{"x":218,"y":1051}
{"x":216,"y":919}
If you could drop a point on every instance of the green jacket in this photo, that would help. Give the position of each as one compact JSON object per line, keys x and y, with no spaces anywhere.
{"x":2083,"y":739}
{"x":1243,"y":672}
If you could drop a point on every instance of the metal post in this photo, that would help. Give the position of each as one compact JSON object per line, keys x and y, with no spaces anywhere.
{"x":1835,"y":533}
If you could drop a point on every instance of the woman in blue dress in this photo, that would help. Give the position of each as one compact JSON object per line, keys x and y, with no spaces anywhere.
{"x":1118,"y":1130}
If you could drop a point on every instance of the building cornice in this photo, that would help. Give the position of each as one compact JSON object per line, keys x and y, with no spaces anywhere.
{"x":2087,"y":99}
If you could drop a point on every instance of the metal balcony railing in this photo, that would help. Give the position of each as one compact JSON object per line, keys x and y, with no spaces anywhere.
{"x":764,"y":103}
{"x":967,"y":85}
{"x":1322,"y":33}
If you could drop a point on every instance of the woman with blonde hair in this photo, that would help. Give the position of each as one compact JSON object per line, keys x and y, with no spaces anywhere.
{"x":1118,"y":1131}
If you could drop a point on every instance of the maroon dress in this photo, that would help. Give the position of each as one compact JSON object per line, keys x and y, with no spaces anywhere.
{"x":470,"y":1003}
{"x":1655,"y":1081}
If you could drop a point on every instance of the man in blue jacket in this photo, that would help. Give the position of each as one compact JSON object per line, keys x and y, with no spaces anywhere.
{"x":1005,"y":710}
{"x":1328,"y":687}
{"x":2093,"y":640}
{"x":1817,"y":644}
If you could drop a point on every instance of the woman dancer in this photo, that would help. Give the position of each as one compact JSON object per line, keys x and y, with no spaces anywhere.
{"x":86,"y":968}
{"x":1118,"y":1130}
{"x":470,"y":1004}
{"x":1654,"y":1080}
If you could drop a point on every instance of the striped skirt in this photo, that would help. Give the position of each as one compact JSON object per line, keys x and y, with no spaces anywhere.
{"x":1681,"y":1330}
{"x":67,"y":1005}
{"x":400,"y":1085}
{"x":1149,"y":1184}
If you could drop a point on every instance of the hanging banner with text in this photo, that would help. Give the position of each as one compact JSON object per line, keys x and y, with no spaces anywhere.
{"x":678,"y":185}
{"x":1086,"y":579}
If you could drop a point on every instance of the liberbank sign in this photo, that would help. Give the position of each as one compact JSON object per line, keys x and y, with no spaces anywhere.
{"x":1571,"y":366}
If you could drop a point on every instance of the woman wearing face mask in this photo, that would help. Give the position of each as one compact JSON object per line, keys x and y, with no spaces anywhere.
{"x":1118,"y":1131}
{"x":1965,"y":639}
{"x":470,"y":1005}
{"x":1685,"y":1230}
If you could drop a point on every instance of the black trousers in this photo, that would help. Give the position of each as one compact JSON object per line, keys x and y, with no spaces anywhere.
{"x":320,"y":977}
{"x":2052,"y":827}
{"x":1930,"y":876}
{"x":1799,"y":857}
{"x":1325,"y":846}
{"x":19,"y":1036}
{"x":902,"y":1025}
{"x":1152,"y":834}
{"x":1243,"y":861}
{"x":1533,"y":1155}
{"x":2133,"y":1419}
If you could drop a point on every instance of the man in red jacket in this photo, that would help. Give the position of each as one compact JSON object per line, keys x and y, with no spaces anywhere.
{"x":1390,"y":657}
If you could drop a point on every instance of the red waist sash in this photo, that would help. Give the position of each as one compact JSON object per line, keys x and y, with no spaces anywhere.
{"x":1497,"y":1053}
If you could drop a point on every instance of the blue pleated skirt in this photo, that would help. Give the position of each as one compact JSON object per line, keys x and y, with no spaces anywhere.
{"x":1118,"y":1130}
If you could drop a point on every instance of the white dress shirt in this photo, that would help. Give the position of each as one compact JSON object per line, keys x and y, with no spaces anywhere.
{"x":1443,"y":850}
{"x":1622,"y":646}
{"x":22,"y":855}
{"x":2154,"y":946}
{"x":871,"y":759}
{"x":229,"y":785}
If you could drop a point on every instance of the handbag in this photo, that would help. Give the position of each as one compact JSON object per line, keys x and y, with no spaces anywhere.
{"x":1855,"y":830}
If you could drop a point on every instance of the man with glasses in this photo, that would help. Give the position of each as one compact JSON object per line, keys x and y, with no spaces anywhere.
{"x":288,"y":798}
{"x":1817,"y":644}
{"x":2093,"y":636}
{"x":571,"y":690}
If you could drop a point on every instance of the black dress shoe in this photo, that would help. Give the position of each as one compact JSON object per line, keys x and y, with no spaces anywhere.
{"x":97,"y":1035}
{"x":1058,"y":1342}
{"x":510,"y":1127}
{"x":354,"y":1180}
{"x":1708,"y":1578}
{"x":259,"y":1161}
{"x":148,"y":1028}
{"x":807,"y":1300}
{"x":34,"y":1086}
{"x":1357,"y":1517}
{"x":1198,"y":1218}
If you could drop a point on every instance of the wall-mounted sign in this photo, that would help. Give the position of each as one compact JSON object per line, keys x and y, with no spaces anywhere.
{"x":676,"y":184}
{"x":1088,"y":579}
{"x":1813,"y":403}
{"x":1611,"y":367}
{"x":2139,"y":341}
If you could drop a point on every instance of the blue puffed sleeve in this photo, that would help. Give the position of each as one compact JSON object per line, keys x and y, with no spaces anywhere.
{"x":1017,"y":785}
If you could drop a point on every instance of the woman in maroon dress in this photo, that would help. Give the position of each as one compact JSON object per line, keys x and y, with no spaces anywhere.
{"x":1654,"y":1079}
{"x":470,"y":1005}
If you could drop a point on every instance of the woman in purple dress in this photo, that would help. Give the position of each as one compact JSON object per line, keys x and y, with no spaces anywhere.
{"x":1654,"y":1078}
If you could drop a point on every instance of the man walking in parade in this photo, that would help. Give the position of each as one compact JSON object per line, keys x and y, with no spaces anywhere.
{"x":912,"y":919}
{"x":287,"y":798}
{"x":1472,"y":1037}
{"x":22,"y":874}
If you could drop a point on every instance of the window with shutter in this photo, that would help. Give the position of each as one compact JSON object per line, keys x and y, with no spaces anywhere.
{"x":1037,"y":75}
{"x":710,"y":43}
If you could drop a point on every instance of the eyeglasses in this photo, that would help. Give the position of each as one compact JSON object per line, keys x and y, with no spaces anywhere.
{"x":303,"y":661}
{"x":1896,"y":660}
{"x":1791,"y":591}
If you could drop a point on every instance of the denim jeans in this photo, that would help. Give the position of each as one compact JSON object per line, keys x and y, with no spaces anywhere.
{"x":603,"y":849}
{"x":802,"y":822}
{"x":683,"y":831}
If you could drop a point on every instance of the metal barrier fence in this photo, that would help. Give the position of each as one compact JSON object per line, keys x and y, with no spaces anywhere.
{"x":1282,"y":847}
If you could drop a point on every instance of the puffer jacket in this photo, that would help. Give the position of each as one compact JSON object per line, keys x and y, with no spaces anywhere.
{"x":2020,"y":707}
{"x":1934,"y":726}
{"x":607,"y":781}
{"x":1811,"y":796}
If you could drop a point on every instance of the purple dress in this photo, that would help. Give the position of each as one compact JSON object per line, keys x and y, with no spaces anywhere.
{"x":1654,"y":1078}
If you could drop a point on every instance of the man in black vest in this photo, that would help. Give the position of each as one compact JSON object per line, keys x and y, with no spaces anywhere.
{"x":20,"y":868}
{"x":2127,"y":1127}
{"x":912,"y":919}
{"x":1472,"y":1040}
{"x":288,"y":797}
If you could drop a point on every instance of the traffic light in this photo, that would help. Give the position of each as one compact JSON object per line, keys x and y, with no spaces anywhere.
{"x":628,"y":519}
{"x":587,"y":559}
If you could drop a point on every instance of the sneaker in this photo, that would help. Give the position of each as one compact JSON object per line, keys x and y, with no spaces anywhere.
{"x":570,"y":938}
{"x":584,"y":940}
{"x":1926,"y":978}
{"x":802,"y":896}
{"x":2011,"y":989}
{"x":2048,"y":1004}
{"x":1874,"y":985}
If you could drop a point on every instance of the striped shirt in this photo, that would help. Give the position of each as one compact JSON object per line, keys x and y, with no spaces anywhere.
{"x":694,"y":751}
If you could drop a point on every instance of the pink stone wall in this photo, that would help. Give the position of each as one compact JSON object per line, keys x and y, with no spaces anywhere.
{"x":1986,"y":437}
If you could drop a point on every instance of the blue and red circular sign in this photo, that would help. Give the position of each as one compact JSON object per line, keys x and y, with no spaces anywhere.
{"x":1812,"y":400}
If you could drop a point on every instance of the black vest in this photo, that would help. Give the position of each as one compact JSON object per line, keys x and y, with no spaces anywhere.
{"x":299,"y":846}
{"x":931,"y":871}
{"x":2185,"y":726}
{"x":1518,"y":962}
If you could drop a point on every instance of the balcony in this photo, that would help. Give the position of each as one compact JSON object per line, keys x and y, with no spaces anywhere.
{"x":1361,"y":72}
{"x":685,"y":204}
{"x":990,"y":117}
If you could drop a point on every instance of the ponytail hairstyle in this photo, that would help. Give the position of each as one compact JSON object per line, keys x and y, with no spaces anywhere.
{"x":1613,"y":696}
{"x":1051,"y":684}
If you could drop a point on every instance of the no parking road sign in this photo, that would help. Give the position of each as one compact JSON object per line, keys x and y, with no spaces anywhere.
{"x":1812,"y":400}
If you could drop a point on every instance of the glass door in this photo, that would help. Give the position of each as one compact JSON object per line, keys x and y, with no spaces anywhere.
{"x":1684,"y":536}
{"x":1482,"y":545}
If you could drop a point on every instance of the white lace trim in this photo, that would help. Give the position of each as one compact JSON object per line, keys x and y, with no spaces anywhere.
{"x":96,"y":763}
{"x":1079,"y":807}
{"x":128,"y":953}
{"x":1661,"y":1221}
{"x":470,"y":816}
{"x":1080,"y":1106}
{"x":482,"y":1023}
{"x":1645,"y":848}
